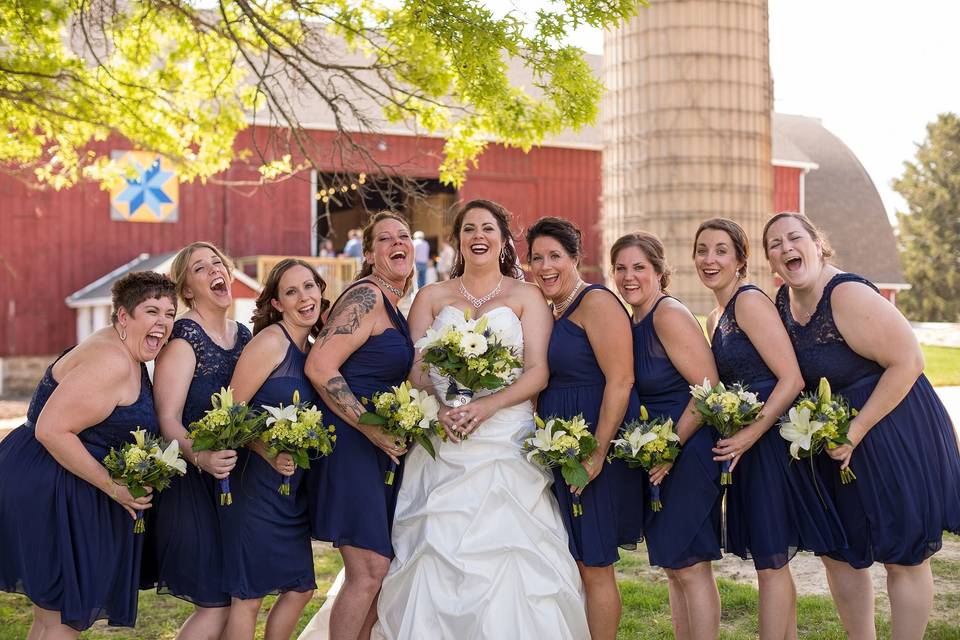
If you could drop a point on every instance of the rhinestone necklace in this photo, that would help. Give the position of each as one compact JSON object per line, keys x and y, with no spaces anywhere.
{"x":479,"y":302}
{"x":558,"y":309}
{"x":392,"y":289}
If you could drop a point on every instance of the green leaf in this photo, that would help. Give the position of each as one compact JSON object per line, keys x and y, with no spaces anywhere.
{"x":371,"y":418}
{"x":425,"y":442}
{"x":574,"y":474}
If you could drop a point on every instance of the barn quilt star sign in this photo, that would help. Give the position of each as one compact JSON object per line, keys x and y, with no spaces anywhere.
{"x":149,"y":191}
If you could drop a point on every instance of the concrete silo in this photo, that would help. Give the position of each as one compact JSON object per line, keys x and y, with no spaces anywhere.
{"x":687,"y":128}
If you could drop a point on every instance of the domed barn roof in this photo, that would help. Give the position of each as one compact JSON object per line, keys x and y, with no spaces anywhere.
{"x":842,"y":200}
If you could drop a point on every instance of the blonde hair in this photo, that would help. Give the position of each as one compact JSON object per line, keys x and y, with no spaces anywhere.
{"x":181,"y":263}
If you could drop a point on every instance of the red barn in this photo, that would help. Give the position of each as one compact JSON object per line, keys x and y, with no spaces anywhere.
{"x":54,"y":244}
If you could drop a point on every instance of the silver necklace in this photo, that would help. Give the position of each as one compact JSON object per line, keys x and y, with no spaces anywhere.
{"x":558,"y":309}
{"x":479,"y":302}
{"x":392,"y":289}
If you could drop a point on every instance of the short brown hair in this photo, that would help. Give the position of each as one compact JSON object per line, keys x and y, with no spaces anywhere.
{"x":265,"y":314}
{"x":738,"y":236}
{"x":815,"y":233}
{"x":181,"y":264}
{"x":652,"y":248}
{"x":561,"y":230}
{"x":134,"y":288}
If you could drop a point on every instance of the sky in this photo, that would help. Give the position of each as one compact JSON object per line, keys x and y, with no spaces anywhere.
{"x":874,"y":72}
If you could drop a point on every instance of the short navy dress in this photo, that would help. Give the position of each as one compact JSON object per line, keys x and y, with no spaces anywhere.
{"x":349,"y":502}
{"x":66,"y":544}
{"x":772,"y":509}
{"x":613,"y":501}
{"x":266,"y":536}
{"x":907,"y":490}
{"x":687,"y":530}
{"x":185,"y":539}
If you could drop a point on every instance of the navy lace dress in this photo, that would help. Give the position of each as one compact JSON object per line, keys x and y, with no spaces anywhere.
{"x":349,"y":502}
{"x":64,"y":543}
{"x":613,"y":501}
{"x":907,"y":490}
{"x":185,"y":537}
{"x":772,"y":509}
{"x":266,"y":536}
{"x":687,"y":530}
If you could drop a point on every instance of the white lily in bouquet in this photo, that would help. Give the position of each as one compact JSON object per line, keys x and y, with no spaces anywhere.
{"x":647,"y":443}
{"x":471,"y":355}
{"x":406,"y":414}
{"x":728,"y":409}
{"x":816,"y":422}
{"x":566,"y":444}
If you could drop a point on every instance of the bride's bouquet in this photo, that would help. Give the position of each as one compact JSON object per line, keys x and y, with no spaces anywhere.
{"x":728,"y":409}
{"x":298,"y":430}
{"x":227,"y":425}
{"x":471,"y":355}
{"x":818,"y":421}
{"x":565,"y":444}
{"x":148,"y":461}
{"x":646,"y":444}
{"x":406,"y":414}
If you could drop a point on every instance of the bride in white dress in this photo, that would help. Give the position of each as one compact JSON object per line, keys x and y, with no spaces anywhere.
{"x":481,"y":551}
{"x":480,"y":548}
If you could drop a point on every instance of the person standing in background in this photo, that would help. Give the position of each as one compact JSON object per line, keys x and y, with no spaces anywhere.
{"x":445,"y":261}
{"x":421,"y":256}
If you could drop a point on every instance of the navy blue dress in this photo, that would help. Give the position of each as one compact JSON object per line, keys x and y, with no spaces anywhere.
{"x":613,"y":501}
{"x":349,"y":502}
{"x":266,"y":536}
{"x":772,"y":509}
{"x":65,"y":544}
{"x":687,"y":530}
{"x":185,"y":538}
{"x":907,"y":490}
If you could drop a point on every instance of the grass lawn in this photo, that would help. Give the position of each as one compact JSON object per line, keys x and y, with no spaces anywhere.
{"x":942,"y":365}
{"x":646,"y":613}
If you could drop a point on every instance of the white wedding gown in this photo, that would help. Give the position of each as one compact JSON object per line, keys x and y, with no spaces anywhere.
{"x":481,"y":551}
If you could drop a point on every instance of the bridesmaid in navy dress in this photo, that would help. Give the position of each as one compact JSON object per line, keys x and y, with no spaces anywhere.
{"x":198,"y":361}
{"x":66,"y":529}
{"x":364,"y":348}
{"x":772,"y":508}
{"x":670,"y":353}
{"x":904,"y":450}
{"x":266,"y":536}
{"x":590,"y":374}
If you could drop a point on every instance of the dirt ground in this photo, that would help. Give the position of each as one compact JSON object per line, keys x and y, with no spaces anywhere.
{"x":13,"y":408}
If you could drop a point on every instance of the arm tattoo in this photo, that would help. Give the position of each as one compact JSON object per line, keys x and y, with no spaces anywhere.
{"x":340,"y":392}
{"x":346,"y":316}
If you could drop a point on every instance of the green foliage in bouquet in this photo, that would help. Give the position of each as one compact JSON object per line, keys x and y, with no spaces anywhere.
{"x":297,"y":430}
{"x":148,"y":461}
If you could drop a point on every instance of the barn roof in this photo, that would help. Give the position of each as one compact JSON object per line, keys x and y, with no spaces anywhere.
{"x":98,"y":292}
{"x":841,"y":198}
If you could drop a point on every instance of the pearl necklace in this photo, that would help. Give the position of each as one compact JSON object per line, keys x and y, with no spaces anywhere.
{"x":558,"y":309}
{"x":479,"y":302}
{"x":392,"y":289}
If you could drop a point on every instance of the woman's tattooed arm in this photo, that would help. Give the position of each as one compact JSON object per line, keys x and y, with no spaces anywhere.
{"x":348,"y":313}
{"x":339,"y":392}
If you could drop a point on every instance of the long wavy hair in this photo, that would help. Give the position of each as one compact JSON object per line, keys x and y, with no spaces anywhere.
{"x":367,"y":239}
{"x":266,"y":314}
{"x":509,"y":264}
